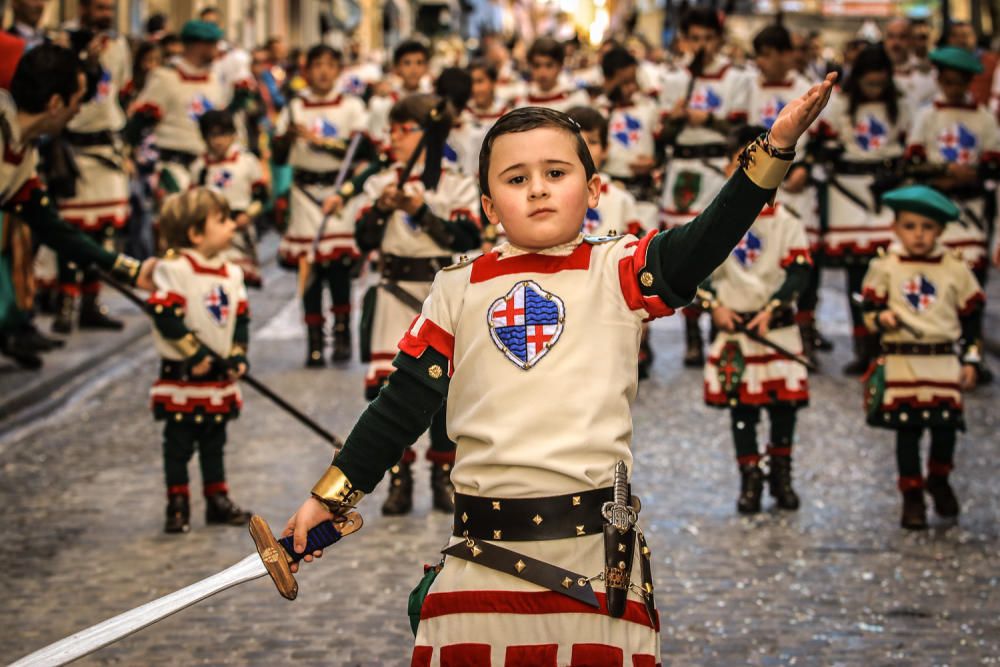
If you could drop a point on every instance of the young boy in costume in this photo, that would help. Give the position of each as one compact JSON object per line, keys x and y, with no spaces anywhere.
{"x":534,"y":346}
{"x":410,"y":64}
{"x":921,"y":287}
{"x":416,"y":229}
{"x":756,"y":288}
{"x":545,"y":60}
{"x":197,"y":393}
{"x":313,"y":135}
{"x":237,"y":174}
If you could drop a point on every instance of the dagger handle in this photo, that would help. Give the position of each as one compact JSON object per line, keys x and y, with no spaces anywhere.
{"x":320,"y":537}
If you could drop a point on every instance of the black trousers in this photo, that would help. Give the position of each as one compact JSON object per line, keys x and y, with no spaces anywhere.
{"x":180,"y":440}
{"x":744,"y":420}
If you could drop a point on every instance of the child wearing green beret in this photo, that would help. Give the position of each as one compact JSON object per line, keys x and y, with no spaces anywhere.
{"x":925,"y":303}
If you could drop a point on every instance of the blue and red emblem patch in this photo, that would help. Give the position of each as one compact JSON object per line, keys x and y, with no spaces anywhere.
{"x":217,"y":305}
{"x":748,"y":250}
{"x":958,"y":144}
{"x":222,"y":179}
{"x":770,"y":112}
{"x":705,"y":99}
{"x":526,"y":322}
{"x":198,"y":106}
{"x":919,"y":292}
{"x":591,"y":222}
{"x":625,"y":130}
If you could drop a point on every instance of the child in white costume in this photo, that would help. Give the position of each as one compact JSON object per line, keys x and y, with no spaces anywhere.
{"x":538,"y":449}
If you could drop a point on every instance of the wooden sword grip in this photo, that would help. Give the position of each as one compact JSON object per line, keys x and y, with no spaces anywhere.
{"x":277,"y":555}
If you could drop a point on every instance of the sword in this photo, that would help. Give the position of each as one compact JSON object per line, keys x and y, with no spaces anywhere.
{"x":912,"y":330}
{"x":783,"y":351}
{"x":273,"y":558}
{"x":619,"y":543}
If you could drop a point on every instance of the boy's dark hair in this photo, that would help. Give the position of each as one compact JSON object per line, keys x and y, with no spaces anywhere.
{"x":205,"y":11}
{"x":455,"y":85}
{"x":702,"y":17}
{"x":216,"y":121}
{"x":488,"y":68}
{"x":417,"y":108}
{"x":531,"y":118}
{"x":155,"y":23}
{"x":188,"y":210}
{"x":42,"y":72}
{"x":774,"y":37}
{"x":590,"y":119}
{"x":320,"y":50}
{"x":615,"y":60}
{"x":408,"y":47}
{"x":872,"y":58}
{"x":549,"y":48}
{"x":167,"y":40}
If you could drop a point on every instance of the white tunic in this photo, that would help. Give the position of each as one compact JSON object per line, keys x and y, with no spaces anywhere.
{"x":631,"y":134}
{"x":616,"y":212}
{"x":560,"y":99}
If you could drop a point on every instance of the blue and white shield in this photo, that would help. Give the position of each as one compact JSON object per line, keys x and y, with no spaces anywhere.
{"x":217,"y":305}
{"x":919,"y":292}
{"x":526,"y":322}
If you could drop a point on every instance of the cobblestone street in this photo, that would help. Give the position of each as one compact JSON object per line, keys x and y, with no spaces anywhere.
{"x":837,"y":583}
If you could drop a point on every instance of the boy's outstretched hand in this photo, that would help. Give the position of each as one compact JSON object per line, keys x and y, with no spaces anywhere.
{"x":800,"y":113}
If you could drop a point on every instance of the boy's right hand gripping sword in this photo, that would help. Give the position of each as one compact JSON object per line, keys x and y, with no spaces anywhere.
{"x":619,"y":543}
{"x":273,"y":557}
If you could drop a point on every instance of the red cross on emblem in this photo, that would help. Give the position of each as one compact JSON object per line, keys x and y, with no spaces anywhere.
{"x":537,"y":336}
{"x":509,"y":313}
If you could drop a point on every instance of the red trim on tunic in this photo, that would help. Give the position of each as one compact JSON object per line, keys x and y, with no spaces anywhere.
{"x":972,"y":303}
{"x":970,"y":106}
{"x":909,"y":401}
{"x":102,"y":221}
{"x":321,"y":103}
{"x":490,"y":265}
{"x":597,"y":654}
{"x":536,"y":655}
{"x":644,"y":660}
{"x":795,"y":253}
{"x":221,"y":405}
{"x":71,"y":205}
{"x":771,"y":390}
{"x":870,"y":295}
{"x":422,"y":656}
{"x":429,"y":335}
{"x":712,"y":77}
{"x":166,"y":299}
{"x":243,"y":308}
{"x":190,"y":78}
{"x":466,"y":655}
{"x":928,"y":260}
{"x":915,"y":151}
{"x":853,"y":247}
{"x":914,"y":384}
{"x":441,"y":458}
{"x":148,"y":109}
{"x":201,"y":268}
{"x":510,"y":602}
{"x":629,"y":269}
{"x":23,"y":195}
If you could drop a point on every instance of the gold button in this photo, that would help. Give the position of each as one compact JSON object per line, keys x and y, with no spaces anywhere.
{"x":576,"y":501}
{"x":580,"y":531}
{"x":218,"y":418}
{"x":198,"y":419}
{"x":646,"y":278}
{"x":476,"y":551}
{"x":497,"y":535}
{"x":44,"y":201}
{"x":537,"y":519}
{"x":465,"y":517}
{"x":519,"y":566}
{"x":645,"y":551}
{"x":435,"y":371}
{"x":621,"y":548}
{"x":496,"y":504}
{"x":567,"y":582}
{"x":178,"y":417}
{"x":158,"y":309}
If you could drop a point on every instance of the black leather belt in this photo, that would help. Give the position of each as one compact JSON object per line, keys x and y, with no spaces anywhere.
{"x":420,"y":269}
{"x":180,"y":371}
{"x":177,"y":157}
{"x":849,"y":168}
{"x":85,"y":139}
{"x":918,"y":349}
{"x":781,"y":317}
{"x":522,"y":519}
{"x":700,"y":152}
{"x":303,"y":177}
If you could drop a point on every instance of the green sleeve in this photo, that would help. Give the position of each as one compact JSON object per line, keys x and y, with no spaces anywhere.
{"x":400,"y":413}
{"x":796,"y":280}
{"x":687,"y":255}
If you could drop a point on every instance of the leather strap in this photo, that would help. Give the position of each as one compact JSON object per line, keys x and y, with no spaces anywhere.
{"x":700,"y":152}
{"x":419,"y":269}
{"x":530,"y":519}
{"x":410,"y":301}
{"x":303,"y":177}
{"x":84,"y":139}
{"x":540,"y":573}
{"x":851,"y":168}
{"x":177,"y":157}
{"x":918,"y":349}
{"x":781,"y":317}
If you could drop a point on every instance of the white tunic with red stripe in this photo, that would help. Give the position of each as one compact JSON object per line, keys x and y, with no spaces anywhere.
{"x":520,"y":328}
{"x":691,"y":184}
{"x":964,"y":134}
{"x":745,"y":283}
{"x":101,"y":198}
{"x":210,"y":294}
{"x":560,"y":98}
{"x":456,"y":194}
{"x":331,"y":116}
{"x":868,"y":136}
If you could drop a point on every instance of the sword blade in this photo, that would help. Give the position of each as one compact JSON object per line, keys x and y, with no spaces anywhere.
{"x":98,"y":636}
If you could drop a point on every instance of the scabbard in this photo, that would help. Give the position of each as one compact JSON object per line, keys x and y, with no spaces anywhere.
{"x":619,"y":549}
{"x":647,"y":578}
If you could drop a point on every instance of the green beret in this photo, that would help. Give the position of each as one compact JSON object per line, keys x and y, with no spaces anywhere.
{"x":923,"y":200}
{"x":954,"y":57}
{"x":200,"y":31}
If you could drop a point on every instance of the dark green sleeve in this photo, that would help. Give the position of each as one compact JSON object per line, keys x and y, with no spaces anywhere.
{"x":796,"y":279}
{"x":685,"y":256}
{"x":400,"y":413}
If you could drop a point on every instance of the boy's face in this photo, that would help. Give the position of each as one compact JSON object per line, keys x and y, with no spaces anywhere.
{"x":404,"y":138}
{"x":545,"y":72}
{"x":219,"y":143}
{"x":411,"y":68}
{"x":953,"y":84}
{"x":596,"y":146}
{"x":218,"y":233}
{"x":700,"y":38}
{"x":872,"y":84}
{"x":322,"y":73}
{"x":773,"y":64}
{"x":540,"y":191}
{"x":916,"y":232}
{"x":626,"y":82}
{"x":482,"y":89}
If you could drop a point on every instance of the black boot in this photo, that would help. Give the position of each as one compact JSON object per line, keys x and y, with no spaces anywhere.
{"x":17,"y":348}
{"x":442,"y":492}
{"x":821,"y":342}
{"x":780,"y":483}
{"x":694,"y":356}
{"x":914,"y":510}
{"x":751,"y":488}
{"x":808,"y":334}
{"x":178,"y":514}
{"x":220,"y":509}
{"x":314,"y":357}
{"x":945,"y":502}
{"x":864,"y":353}
{"x":30,"y":334}
{"x":400,"y":500}
{"x":63,"y":322}
{"x":95,"y":316}
{"x":341,"y":338}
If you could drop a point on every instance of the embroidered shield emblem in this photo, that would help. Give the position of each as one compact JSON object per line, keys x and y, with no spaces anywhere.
{"x":324,"y":129}
{"x":958,"y":144}
{"x":730,"y":368}
{"x":625,"y":130}
{"x":591,"y":221}
{"x":217,"y":305}
{"x":769,"y":112}
{"x":870,"y":133}
{"x":748,"y":250}
{"x":198,"y":106}
{"x":526,"y":322}
{"x":919,"y":292}
{"x":705,"y":98}
{"x":222,"y":179}
{"x":686,"y":189}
